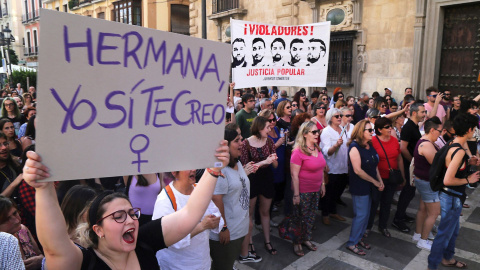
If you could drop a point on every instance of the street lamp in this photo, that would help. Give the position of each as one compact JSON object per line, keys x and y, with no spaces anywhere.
{"x":7,"y":35}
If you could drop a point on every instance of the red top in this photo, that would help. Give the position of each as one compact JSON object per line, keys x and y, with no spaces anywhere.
{"x":310,"y":177}
{"x":393,"y":150}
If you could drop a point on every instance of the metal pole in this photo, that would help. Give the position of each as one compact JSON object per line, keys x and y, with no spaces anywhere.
{"x":9,"y":60}
{"x":204,"y":19}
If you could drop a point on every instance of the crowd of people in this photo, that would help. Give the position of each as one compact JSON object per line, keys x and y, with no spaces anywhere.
{"x":297,"y":154}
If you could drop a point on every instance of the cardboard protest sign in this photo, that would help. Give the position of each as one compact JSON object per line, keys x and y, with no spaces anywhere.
{"x":116,"y":99}
{"x":264,"y":54}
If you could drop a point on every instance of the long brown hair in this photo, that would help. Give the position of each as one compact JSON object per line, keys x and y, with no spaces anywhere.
{"x":357,"y":133}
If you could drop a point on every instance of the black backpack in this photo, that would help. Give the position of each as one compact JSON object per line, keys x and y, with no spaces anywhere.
{"x":438,"y":169}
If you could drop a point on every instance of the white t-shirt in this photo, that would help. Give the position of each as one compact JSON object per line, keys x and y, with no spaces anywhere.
{"x":188,"y":253}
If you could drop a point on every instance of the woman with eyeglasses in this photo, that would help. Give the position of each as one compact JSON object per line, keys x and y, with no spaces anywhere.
{"x":387,"y":147}
{"x":117,"y":242}
{"x":28,"y":100}
{"x":260,"y":149}
{"x":307,"y":166}
{"x":280,"y":148}
{"x":10,"y":222}
{"x":398,"y":123}
{"x":284,"y":114}
{"x":319,"y":111}
{"x":429,"y":209}
{"x":363,"y":176}
{"x":453,"y":111}
{"x":333,"y":144}
{"x":193,"y":251}
{"x":11,"y":111}
{"x":336,"y":97}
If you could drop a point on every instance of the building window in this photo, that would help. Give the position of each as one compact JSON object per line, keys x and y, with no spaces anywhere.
{"x":128,"y":11}
{"x":35,"y":42}
{"x":65,"y":8}
{"x":101,"y":15}
{"x":224,"y":5}
{"x":340,"y":58}
{"x":57,"y":9}
{"x":179,"y":19}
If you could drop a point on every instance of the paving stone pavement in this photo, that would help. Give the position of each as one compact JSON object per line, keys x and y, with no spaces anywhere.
{"x":397,"y":252}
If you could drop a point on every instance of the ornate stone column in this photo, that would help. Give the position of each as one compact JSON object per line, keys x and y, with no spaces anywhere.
{"x":418,"y":43}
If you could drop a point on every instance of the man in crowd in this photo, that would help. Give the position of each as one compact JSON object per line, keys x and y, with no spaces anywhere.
{"x":283,"y":96}
{"x":258,"y":50}
{"x":360,"y":108}
{"x":409,"y":137}
{"x":433,"y":106}
{"x":246,"y":115}
{"x":446,"y":101}
{"x":238,"y":53}
{"x":388,"y":92}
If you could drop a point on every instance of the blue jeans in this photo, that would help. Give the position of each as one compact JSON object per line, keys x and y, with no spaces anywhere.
{"x":361,"y":211}
{"x":444,"y":244}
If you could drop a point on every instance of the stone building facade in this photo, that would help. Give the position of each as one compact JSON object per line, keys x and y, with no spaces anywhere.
{"x":375,"y":44}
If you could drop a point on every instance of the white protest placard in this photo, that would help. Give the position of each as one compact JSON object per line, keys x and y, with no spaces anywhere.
{"x":265,"y":54}
{"x":116,"y":99}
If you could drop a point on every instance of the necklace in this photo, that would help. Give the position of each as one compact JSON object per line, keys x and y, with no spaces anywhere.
{"x":311,"y":149}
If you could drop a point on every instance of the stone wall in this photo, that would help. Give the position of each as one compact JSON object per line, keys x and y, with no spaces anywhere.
{"x":388,"y":25}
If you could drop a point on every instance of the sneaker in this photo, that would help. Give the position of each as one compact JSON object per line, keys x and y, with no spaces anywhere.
{"x":424,"y":244}
{"x":416,"y":237}
{"x":234,"y":267}
{"x":249,"y":258}
{"x":400,"y":225}
{"x":431,"y":236}
{"x":273,"y":224}
{"x":408,"y":219}
{"x":274,"y":208}
{"x":469,"y":186}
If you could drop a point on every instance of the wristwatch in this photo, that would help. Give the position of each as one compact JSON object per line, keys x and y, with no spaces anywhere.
{"x":224,"y":228}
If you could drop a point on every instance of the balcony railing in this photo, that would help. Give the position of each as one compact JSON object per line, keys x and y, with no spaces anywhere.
{"x":4,"y":13}
{"x":224,"y":5}
{"x":32,"y":51}
{"x":30,"y":16}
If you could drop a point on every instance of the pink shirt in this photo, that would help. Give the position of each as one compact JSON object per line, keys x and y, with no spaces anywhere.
{"x":440,"y":110}
{"x":311,"y":170}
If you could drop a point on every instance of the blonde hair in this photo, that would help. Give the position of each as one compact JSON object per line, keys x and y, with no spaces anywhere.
{"x":357,"y":133}
{"x":300,"y":141}
{"x":281,"y":108}
{"x":266,"y":113}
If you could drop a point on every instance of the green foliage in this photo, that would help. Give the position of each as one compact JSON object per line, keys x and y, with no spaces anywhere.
{"x":13,"y":56}
{"x":21,"y":77}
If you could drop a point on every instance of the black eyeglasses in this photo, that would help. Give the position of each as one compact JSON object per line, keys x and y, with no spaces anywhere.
{"x":288,"y":107}
{"x":324,"y":98}
{"x":434,"y":96}
{"x":121,"y":215}
{"x":294,"y":105}
{"x":315,"y":132}
{"x":387,"y":99}
{"x":323,"y":108}
{"x":383,"y":106}
{"x":439,"y":130}
{"x":337,"y":116}
{"x":5,"y":144}
{"x":340,"y":96}
{"x":302,"y":95}
{"x":447,"y":94}
{"x":348,"y":115}
{"x":369,"y":130}
{"x":387,"y":127}
{"x":272,"y":120}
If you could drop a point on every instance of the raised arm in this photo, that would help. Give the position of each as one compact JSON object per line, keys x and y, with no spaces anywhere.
{"x":179,"y":224}
{"x":60,"y":252}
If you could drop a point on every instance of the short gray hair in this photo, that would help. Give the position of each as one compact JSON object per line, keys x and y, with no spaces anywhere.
{"x":330,"y":114}
{"x":283,"y":93}
{"x":262,"y":101}
{"x":373,"y":112}
{"x":364,"y":94}
{"x":342,"y":110}
{"x":415,"y":107}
